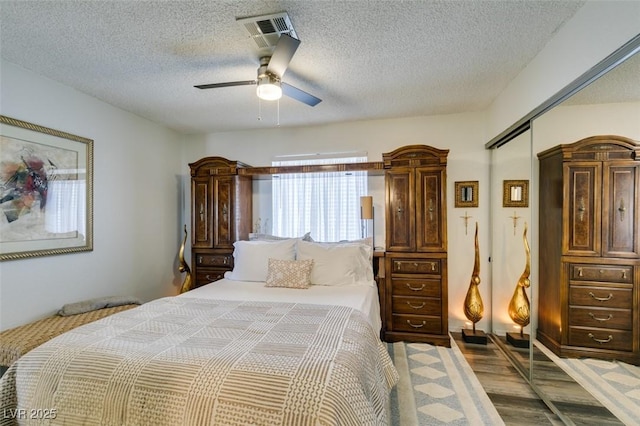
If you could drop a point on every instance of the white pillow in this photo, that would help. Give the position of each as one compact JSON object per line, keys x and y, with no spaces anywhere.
{"x":368,"y":241}
{"x":337,"y":264}
{"x":251,"y":258}
{"x":268,"y":237}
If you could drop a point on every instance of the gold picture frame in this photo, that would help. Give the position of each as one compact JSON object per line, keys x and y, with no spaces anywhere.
{"x":466,"y":193}
{"x":46,"y":191}
{"x":515,"y":193}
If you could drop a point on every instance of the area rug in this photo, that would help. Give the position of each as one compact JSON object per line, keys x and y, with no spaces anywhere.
{"x":437,"y":387}
{"x":615,"y":384}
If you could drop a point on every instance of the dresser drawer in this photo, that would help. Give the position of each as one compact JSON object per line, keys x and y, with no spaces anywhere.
{"x":620,"y":319}
{"x":225,"y":260}
{"x":601,"y":297}
{"x":601,"y":338}
{"x":425,"y":287}
{"x":415,"y":266}
{"x":417,"y":323}
{"x":602,"y":273}
{"x":206,"y":275}
{"x":416,"y":305}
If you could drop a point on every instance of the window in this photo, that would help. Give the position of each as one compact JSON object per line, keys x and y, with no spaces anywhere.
{"x":65,"y":207}
{"x":325,"y":204}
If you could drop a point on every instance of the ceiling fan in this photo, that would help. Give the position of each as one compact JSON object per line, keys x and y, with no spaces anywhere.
{"x":270,"y":72}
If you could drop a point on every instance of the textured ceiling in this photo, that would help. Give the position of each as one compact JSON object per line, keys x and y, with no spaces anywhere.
{"x":364,"y":59}
{"x":621,"y":84}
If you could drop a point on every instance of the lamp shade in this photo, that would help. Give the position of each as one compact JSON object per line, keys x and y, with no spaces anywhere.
{"x":268,"y":88}
{"x":366,"y":207}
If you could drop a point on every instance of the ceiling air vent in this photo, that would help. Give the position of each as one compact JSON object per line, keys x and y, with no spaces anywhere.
{"x":265,"y":30}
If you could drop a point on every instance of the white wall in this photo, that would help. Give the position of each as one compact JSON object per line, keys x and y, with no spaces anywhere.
{"x":568,"y":124}
{"x":462,"y":134}
{"x":596,"y":30}
{"x":136,"y":204}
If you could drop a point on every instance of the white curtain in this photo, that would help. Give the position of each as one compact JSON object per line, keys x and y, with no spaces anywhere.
{"x":65,"y":208}
{"x":325,"y":204}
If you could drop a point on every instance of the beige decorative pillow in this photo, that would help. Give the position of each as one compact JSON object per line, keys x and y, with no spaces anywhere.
{"x":289,"y":273}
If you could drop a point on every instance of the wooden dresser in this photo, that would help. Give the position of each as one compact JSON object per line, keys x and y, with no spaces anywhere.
{"x":221,"y":206}
{"x":415,"y":303}
{"x":589,"y":277}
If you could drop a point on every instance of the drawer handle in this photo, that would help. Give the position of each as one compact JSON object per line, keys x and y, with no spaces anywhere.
{"x":600,"y":319}
{"x":580,"y":272}
{"x":601,"y":340}
{"x":420,"y":306}
{"x":224,"y":211}
{"x":431,"y":209}
{"x":416,"y":325}
{"x":581,"y":209}
{"x":624,"y":274}
{"x":601,"y":299}
{"x":215,"y":278}
{"x":415,"y":288}
{"x":622,"y":209}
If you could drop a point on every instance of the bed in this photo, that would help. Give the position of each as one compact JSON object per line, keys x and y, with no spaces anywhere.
{"x":17,"y":341}
{"x":236,"y":351}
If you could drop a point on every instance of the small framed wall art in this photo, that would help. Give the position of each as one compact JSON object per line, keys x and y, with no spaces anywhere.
{"x":466,"y":194}
{"x":515,"y":193}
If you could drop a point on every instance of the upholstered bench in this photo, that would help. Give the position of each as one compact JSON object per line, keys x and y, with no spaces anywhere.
{"x":17,"y":341}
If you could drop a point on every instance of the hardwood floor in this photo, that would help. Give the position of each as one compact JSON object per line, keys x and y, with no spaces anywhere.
{"x":514,"y":399}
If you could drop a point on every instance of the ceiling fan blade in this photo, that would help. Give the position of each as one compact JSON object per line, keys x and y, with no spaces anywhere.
{"x":299,"y":95}
{"x":282,"y":54}
{"x":228,"y":84}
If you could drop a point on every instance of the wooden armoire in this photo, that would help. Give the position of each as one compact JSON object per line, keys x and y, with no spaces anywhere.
{"x":414,"y":302}
{"x":589,"y":264}
{"x":221,"y":211}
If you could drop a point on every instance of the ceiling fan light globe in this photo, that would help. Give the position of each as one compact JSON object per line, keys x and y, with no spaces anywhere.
{"x":269,"y":91}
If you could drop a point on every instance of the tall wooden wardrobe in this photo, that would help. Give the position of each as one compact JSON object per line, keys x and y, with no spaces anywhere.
{"x":589,"y":276}
{"x":415,"y":302}
{"x":221,"y":209}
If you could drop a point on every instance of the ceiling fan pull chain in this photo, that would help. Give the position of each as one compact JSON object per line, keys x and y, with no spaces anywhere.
{"x":259,"y":110}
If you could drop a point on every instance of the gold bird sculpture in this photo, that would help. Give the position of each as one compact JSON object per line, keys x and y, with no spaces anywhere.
{"x":519,"y":309}
{"x":183,"y":267}
{"x":473,"y":306}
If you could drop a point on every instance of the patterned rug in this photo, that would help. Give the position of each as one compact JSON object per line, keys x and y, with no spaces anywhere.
{"x":437,"y":387}
{"x":615,"y":384}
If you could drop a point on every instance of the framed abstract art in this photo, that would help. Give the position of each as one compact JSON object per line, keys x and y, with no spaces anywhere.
{"x":46,"y":191}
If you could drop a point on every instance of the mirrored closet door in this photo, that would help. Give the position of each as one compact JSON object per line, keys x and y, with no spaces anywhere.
{"x":597,"y":276}
{"x":510,"y":258}
{"x":609,"y":106}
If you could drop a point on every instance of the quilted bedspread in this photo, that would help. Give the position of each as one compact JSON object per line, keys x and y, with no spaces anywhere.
{"x":188,"y":361}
